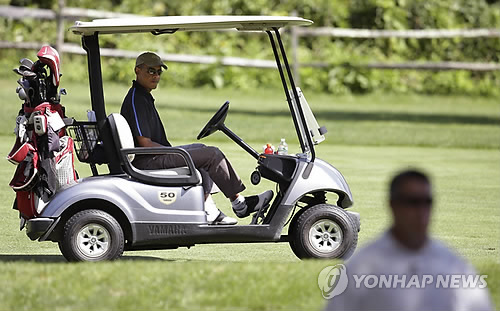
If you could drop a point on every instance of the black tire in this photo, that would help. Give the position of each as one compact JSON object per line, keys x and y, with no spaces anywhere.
{"x":324,"y":231}
{"x":291,"y":233}
{"x":92,"y":235}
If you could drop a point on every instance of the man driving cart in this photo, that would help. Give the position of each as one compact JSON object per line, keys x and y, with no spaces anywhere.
{"x":139,"y":110}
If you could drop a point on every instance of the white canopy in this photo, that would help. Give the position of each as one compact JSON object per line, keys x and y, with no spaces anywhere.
{"x":185,"y":23}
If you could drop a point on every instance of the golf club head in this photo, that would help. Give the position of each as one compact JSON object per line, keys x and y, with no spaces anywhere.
{"x":24,"y":68}
{"x":24,"y":89}
{"x":23,"y":83}
{"x":29,"y":74}
{"x":21,"y":93}
{"x":23,"y":72}
{"x":27,"y":63}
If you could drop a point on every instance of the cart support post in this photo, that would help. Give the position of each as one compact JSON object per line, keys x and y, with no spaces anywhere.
{"x":285,"y":88}
{"x":296,"y":96}
{"x":91,"y":46}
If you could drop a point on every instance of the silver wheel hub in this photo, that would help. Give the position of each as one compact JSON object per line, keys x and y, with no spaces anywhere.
{"x":325,"y":235}
{"x":93,"y":240}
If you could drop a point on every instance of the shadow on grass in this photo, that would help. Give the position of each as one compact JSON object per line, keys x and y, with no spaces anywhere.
{"x":60,"y":258}
{"x":346,"y":115}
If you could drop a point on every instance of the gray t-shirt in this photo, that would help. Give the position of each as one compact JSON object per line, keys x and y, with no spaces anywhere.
{"x":386,"y":258}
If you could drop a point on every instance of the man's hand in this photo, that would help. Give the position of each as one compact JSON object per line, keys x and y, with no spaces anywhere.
{"x":147,"y":142}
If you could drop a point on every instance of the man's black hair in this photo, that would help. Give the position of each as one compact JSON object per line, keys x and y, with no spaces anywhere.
{"x":402,"y":177}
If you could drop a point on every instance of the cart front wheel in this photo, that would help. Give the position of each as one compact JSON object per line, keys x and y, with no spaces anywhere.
{"x":92,"y":235}
{"x":324,"y":231}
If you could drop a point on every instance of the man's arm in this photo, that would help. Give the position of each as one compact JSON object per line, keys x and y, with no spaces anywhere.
{"x":147,"y":142}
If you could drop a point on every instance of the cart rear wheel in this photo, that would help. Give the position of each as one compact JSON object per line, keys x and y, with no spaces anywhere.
{"x":324,"y":231}
{"x":92,"y":235}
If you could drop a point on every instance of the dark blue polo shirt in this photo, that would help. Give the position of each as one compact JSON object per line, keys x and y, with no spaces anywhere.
{"x":139,"y":110}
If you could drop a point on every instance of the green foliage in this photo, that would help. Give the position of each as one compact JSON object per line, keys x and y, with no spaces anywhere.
{"x":342,"y":76}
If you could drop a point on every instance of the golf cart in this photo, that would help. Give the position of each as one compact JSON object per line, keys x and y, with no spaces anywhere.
{"x":130,"y":209}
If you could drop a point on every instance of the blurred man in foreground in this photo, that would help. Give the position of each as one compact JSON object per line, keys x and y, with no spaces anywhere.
{"x":405,"y":269}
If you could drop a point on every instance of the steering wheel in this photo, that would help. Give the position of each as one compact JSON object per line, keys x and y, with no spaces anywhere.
{"x":215,"y":122}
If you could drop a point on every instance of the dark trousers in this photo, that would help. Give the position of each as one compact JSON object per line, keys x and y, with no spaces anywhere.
{"x":210,"y":161}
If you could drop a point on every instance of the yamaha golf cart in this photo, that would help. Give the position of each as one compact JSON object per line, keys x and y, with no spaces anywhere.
{"x":130,"y":209}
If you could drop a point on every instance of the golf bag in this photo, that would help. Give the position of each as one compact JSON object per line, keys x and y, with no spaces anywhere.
{"x":42,"y":151}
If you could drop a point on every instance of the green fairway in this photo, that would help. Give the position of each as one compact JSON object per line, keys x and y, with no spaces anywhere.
{"x":263,"y":116}
{"x":455,"y":139}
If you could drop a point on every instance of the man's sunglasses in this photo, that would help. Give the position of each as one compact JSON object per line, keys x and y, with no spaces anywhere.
{"x":414,"y":201}
{"x":153,"y":71}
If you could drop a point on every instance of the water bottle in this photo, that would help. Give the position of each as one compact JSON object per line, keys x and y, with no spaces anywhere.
{"x":283,"y":147}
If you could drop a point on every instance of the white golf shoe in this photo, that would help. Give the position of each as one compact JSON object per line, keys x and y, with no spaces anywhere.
{"x":215,"y":216}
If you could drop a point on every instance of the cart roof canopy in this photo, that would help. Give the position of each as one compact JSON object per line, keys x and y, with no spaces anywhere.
{"x":170,"y":24}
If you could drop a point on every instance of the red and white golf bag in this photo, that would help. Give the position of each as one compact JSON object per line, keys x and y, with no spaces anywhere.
{"x":42,"y":151}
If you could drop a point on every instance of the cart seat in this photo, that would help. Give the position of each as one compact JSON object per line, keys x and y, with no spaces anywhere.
{"x":171,"y":171}
{"x":124,"y":142}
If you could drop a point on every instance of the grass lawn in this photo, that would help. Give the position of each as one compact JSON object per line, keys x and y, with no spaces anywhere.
{"x":456,"y":139}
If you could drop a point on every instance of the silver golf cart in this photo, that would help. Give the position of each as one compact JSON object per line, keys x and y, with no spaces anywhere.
{"x":131,"y":209}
